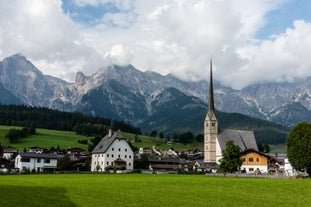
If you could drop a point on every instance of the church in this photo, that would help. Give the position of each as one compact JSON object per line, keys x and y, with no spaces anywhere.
{"x":215,"y":140}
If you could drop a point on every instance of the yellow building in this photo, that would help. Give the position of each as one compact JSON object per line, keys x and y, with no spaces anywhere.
{"x":255,"y":162}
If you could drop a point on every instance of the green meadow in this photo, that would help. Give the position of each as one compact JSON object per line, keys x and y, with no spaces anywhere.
{"x":151,"y":190}
{"x":67,"y":139}
{"x":45,"y":138}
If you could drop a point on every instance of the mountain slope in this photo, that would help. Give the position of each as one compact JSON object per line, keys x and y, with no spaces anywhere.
{"x":148,"y":99}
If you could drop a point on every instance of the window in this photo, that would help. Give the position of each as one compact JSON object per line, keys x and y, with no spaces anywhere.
{"x":38,"y":160}
{"x":125,"y":156}
{"x":112,"y":149}
{"x":251,"y":169}
{"x":112,"y":155}
{"x":130,"y":164}
{"x":250,"y":159}
{"x":125,"y":150}
{"x":25,"y":159}
{"x":119,"y":156}
{"x":130,"y":156}
{"x":119,"y":149}
{"x":107,"y":163}
{"x":47,"y":161}
{"x":107,"y":155}
{"x":213,"y":124}
{"x":257,"y":159}
{"x":102,"y":162}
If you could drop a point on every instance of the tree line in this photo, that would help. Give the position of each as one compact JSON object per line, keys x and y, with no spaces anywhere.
{"x":14,"y":134}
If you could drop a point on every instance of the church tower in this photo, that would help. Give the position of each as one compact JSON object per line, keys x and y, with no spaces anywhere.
{"x":210,"y":126}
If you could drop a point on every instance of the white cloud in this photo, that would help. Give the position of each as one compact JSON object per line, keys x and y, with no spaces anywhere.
{"x":167,"y":36}
{"x":284,"y":58}
{"x":118,"y":55}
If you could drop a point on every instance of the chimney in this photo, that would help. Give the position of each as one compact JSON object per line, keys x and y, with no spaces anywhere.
{"x":110,"y":133}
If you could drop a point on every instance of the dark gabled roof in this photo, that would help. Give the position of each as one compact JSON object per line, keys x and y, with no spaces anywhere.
{"x":244,"y":139}
{"x":38,"y":155}
{"x":106,"y":141}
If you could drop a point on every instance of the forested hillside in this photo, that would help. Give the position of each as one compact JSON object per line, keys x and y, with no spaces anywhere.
{"x":40,"y":117}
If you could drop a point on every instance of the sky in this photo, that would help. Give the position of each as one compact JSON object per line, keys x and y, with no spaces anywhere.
{"x":249,"y":41}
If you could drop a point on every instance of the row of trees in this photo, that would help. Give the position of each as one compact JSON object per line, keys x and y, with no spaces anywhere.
{"x":14,"y":134}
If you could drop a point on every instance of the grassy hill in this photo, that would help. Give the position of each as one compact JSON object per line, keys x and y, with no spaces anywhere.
{"x":45,"y":138}
{"x":66,"y":139}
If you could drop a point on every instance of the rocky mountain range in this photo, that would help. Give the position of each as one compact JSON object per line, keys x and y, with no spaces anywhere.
{"x":148,"y":99}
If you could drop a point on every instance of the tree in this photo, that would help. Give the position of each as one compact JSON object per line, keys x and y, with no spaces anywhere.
{"x":298,"y":145}
{"x":231,"y":158}
{"x":64,"y":162}
{"x":186,"y":137}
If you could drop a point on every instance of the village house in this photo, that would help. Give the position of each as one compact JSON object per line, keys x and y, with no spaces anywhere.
{"x":9,"y":153}
{"x":37,"y":149}
{"x":36,"y":162}
{"x":164,"y":163}
{"x":76,"y":151}
{"x":255,"y":162}
{"x":112,"y":152}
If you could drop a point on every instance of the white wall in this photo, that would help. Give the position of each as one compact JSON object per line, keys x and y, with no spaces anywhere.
{"x":262,"y":168}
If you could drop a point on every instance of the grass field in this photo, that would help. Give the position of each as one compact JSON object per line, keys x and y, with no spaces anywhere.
{"x":151,"y":190}
{"x":66,"y":139}
{"x":45,"y":138}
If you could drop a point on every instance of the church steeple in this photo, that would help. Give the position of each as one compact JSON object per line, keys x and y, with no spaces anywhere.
{"x":211,"y":92}
{"x":210,"y":126}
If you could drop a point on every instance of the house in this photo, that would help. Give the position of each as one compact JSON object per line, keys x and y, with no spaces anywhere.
{"x":9,"y":153}
{"x":76,"y":151}
{"x":36,"y":162}
{"x":112,"y":152}
{"x":255,"y":162}
{"x":164,"y":163}
{"x":37,"y":149}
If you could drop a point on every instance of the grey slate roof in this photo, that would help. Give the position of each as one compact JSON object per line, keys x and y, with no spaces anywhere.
{"x":244,"y":139}
{"x":106,"y":141}
{"x":38,"y":155}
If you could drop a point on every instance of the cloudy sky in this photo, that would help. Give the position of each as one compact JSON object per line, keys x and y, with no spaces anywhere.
{"x":249,"y":41}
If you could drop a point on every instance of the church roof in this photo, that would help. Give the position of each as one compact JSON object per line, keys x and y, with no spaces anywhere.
{"x":244,"y":139}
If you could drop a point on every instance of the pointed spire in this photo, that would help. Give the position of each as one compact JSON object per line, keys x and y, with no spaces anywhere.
{"x":211,"y":92}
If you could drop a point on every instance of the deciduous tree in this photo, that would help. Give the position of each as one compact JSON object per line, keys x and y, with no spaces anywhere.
{"x":231,"y":158}
{"x":299,"y":147}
